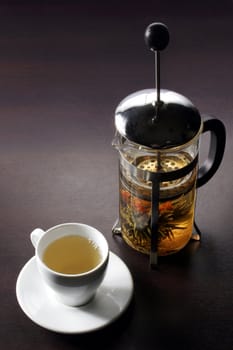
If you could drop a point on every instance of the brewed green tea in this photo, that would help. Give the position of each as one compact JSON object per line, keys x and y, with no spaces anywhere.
{"x":72,"y":255}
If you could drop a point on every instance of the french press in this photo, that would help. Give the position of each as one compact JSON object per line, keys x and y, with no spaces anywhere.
{"x":157,"y":136}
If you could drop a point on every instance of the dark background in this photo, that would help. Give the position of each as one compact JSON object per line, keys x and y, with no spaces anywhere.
{"x":64,"y":67}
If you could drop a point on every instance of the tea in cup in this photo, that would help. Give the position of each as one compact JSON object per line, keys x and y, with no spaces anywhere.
{"x":72,"y":259}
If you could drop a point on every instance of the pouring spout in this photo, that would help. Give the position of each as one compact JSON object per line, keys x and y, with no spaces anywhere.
{"x":116,"y":141}
{"x":119,"y":143}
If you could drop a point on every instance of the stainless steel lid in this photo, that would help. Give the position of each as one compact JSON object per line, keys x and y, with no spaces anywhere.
{"x":173,"y":122}
{"x":157,"y":118}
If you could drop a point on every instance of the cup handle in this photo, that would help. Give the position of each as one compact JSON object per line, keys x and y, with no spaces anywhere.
{"x":36,"y":236}
{"x":216,"y":150}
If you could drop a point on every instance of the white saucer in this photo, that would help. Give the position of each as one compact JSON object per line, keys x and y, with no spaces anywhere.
{"x":112,"y":298}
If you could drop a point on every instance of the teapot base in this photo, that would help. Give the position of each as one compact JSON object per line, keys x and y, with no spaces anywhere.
{"x":164,"y":248}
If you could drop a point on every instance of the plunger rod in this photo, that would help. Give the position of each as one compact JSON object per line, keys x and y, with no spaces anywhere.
{"x":157,"y":75}
{"x":154,"y":223}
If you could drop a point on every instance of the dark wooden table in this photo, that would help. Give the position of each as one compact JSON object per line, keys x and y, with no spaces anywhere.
{"x":64,"y":67}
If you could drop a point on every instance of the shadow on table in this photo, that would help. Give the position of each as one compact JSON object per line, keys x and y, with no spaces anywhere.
{"x":104,"y":338}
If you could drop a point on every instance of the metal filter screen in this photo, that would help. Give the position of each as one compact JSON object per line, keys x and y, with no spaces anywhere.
{"x":165,"y":163}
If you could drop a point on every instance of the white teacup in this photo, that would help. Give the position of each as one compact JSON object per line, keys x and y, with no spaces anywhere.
{"x":71,"y":289}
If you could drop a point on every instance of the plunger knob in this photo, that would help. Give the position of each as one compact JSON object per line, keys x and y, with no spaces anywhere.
{"x":157,"y":36}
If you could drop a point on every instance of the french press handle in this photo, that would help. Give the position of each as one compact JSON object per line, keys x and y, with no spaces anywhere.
{"x":216,"y":150}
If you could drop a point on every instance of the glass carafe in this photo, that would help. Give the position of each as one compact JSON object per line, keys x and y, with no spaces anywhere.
{"x":176,"y":197}
{"x":158,"y":182}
